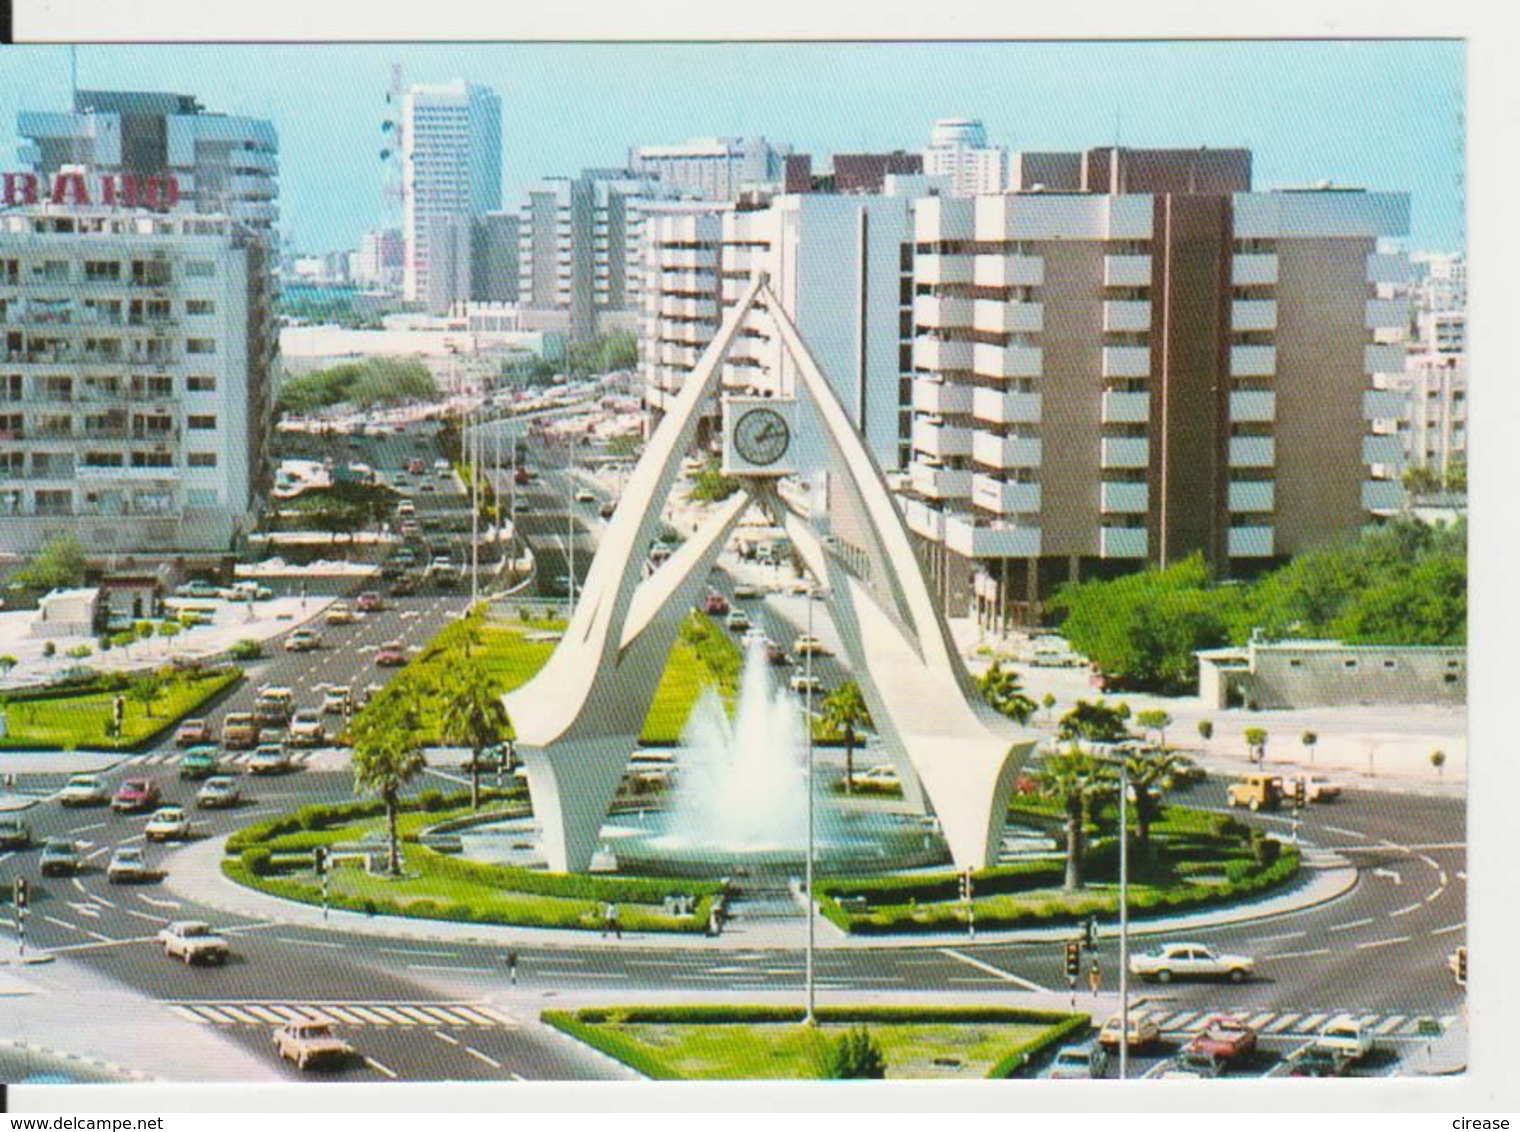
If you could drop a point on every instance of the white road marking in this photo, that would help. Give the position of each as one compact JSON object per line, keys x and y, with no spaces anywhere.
{"x":75,"y":927}
{"x":310,"y":943}
{"x":157,"y":903}
{"x":87,"y":828}
{"x":1435,"y":894}
{"x":1279,"y":938}
{"x":1388,"y":1026}
{"x":1388,"y":874}
{"x":375,"y":1065}
{"x":1298,"y":954}
{"x":191,"y":1015}
{"x":1006,"y":976}
{"x":152,"y":919}
{"x":475,"y":1053}
{"x":414,"y":951}
{"x":1345,"y":832}
{"x":446,"y":967}
{"x":1348,"y":926}
{"x":1383,"y":942}
{"x":1443,"y":878}
{"x":85,"y":909}
{"x":1404,"y":911}
{"x":1282,"y":1023}
{"x":1448,"y":929}
{"x":442,"y":1037}
{"x":1313,"y":1022}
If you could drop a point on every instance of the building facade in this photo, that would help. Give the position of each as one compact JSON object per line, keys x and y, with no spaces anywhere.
{"x":711,"y":168}
{"x":867,"y":172}
{"x":135,"y":379}
{"x":958,"y":150}
{"x":1283,"y":675}
{"x":223,"y":164}
{"x":451,"y":173}
{"x":1104,"y":380}
{"x":380,"y":260}
{"x":493,"y":258}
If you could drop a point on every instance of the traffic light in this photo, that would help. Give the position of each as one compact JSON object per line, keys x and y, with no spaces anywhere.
{"x":319,"y":859}
{"x":966,"y":885}
{"x":1300,"y":793}
{"x":20,"y":893}
{"x":1461,"y":965}
{"x":1092,"y":932}
{"x":1073,"y":960}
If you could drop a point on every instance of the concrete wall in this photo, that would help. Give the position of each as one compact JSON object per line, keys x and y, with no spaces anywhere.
{"x":1284,"y":676}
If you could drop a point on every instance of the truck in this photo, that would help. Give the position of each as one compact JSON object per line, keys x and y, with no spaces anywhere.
{"x":1256,"y":792}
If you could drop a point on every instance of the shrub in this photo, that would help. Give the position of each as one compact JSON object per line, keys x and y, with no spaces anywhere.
{"x":853,"y":1056}
{"x":49,"y":649}
{"x":1265,"y":849}
{"x":1227,"y":827}
{"x":246,"y":650}
{"x":430,"y":801}
{"x":259,"y":860}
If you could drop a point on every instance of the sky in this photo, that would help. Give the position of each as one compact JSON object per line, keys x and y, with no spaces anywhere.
{"x":1384,"y":115}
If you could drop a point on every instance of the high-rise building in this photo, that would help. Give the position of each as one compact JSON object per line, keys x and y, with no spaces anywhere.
{"x":711,"y":168}
{"x":1156,"y":363}
{"x":493,"y":258}
{"x":867,"y":172}
{"x":451,"y":169}
{"x":379,"y":261}
{"x":135,"y":378}
{"x":223,"y":164}
{"x":958,"y":149}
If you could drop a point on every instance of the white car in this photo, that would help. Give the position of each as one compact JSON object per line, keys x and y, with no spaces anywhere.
{"x":884,"y":775}
{"x":268,"y":759}
{"x":128,"y":865}
{"x":83,"y":790}
{"x":170,"y":823}
{"x":738,"y":621}
{"x":1190,"y":961}
{"x":307,"y":729}
{"x":193,"y":941}
{"x":338,"y":700}
{"x":803,"y":683}
{"x":1344,"y":1035}
{"x":585,"y":495}
{"x":744,"y":591}
{"x":807,"y":644}
{"x":1317,"y":788}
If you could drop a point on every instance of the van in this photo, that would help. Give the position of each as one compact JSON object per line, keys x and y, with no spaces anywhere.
{"x":1256,"y":792}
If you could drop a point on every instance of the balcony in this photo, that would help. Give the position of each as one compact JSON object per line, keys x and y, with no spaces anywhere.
{"x":1126,"y":408}
{"x":1388,"y":270}
{"x":1008,"y":361}
{"x":995,"y":451}
{"x":1387,"y":314}
{"x":940,"y":483}
{"x":1123,"y":542}
{"x":1001,"y":407}
{"x":1252,"y":496}
{"x":1128,"y":316}
{"x":938,"y":269}
{"x":1010,"y":271}
{"x":1385,"y":405}
{"x":687,"y":259}
{"x":1254,"y":270}
{"x":1250,"y":542}
{"x":1253,"y":361}
{"x":941,"y":440}
{"x":1253,"y":314}
{"x":688,"y":309}
{"x":1127,"y":271}
{"x":990,"y":539}
{"x":1253,"y":406}
{"x":940,"y":355}
{"x":995,"y":317}
{"x":1383,"y":451}
{"x":1382,"y":495}
{"x":924,"y":520}
{"x":941,"y":312}
{"x":1124,"y":498}
{"x":1252,"y":451}
{"x":1004,"y":498}
{"x":1383,"y":357}
{"x":1125,"y":452}
{"x":941,"y":397}
{"x":1126,"y":361}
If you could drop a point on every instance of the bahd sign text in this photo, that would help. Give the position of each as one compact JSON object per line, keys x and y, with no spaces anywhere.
{"x":74,"y":188}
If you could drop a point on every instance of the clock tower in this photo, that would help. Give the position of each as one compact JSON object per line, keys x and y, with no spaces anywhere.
{"x":759,"y":434}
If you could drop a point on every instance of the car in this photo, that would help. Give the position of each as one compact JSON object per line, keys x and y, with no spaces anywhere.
{"x":427,"y":487}
{"x":370,"y":602}
{"x":219,"y":793}
{"x":738,"y":620}
{"x":585,"y":495}
{"x":1311,"y":1061}
{"x":607,"y":509}
{"x":83,"y":790}
{"x":268,"y":758}
{"x":15,"y":834}
{"x":1190,"y":961}
{"x":275,"y":706}
{"x":338,"y":613}
{"x":60,"y":857}
{"x":715,"y":604}
{"x":128,"y":866}
{"x":194,"y":732}
{"x":311,"y":1043}
{"x":1184,"y":772}
{"x":1344,"y":1034}
{"x":1456,"y":963}
{"x":240,"y":731}
{"x":307,"y":729}
{"x":410,"y":527}
{"x":803,"y":683}
{"x":197,"y":589}
{"x":799,"y":586}
{"x":303,"y":640}
{"x":809,"y":645}
{"x":198,"y":763}
{"x":391,"y":655}
{"x":1143,"y":1030}
{"x":775,"y":655}
{"x":1255,"y":792}
{"x":134,"y":795}
{"x":406,"y":509}
{"x":403,"y":587}
{"x":1226,"y":1037}
{"x":168,"y":823}
{"x":1189,"y":1065}
{"x":1316,"y":787}
{"x":1086,"y":1062}
{"x":246,"y":591}
{"x":194,"y":942}
{"x":744,"y":591}
{"x":884,"y":775}
{"x":338,"y":700}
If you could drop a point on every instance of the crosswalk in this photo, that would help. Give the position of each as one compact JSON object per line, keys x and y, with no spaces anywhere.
{"x":1293,"y":1024}
{"x":321,"y":758}
{"x":239,"y":1012}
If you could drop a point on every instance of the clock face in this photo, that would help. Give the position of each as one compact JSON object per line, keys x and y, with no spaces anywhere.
{"x":761,"y":437}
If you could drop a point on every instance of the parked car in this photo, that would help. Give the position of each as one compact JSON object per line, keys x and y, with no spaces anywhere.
{"x":194,"y":732}
{"x":1311,"y":1061}
{"x":1189,"y":961}
{"x":338,"y":613}
{"x":197,"y":590}
{"x":240,"y":731}
{"x":1086,"y":1062}
{"x":198,"y":763}
{"x":307,"y":729}
{"x":391,"y":655}
{"x":1256,"y":792}
{"x":311,"y":1043}
{"x":15,"y":834}
{"x":1344,"y":1034}
{"x":269,"y":758}
{"x":83,"y":790}
{"x":134,"y":795}
{"x":1185,"y":771}
{"x":370,"y":602}
{"x":1143,"y":1031}
{"x":60,"y":858}
{"x":194,"y":942}
{"x":303,"y":640}
{"x":169,"y":823}
{"x":219,"y":793}
{"x":738,"y":620}
{"x":246,"y":591}
{"x":442,"y":470}
{"x":128,"y":866}
{"x":1190,"y":1065}
{"x":338,"y":700}
{"x":1226,"y":1037}
{"x":607,"y":509}
{"x":585,"y":495}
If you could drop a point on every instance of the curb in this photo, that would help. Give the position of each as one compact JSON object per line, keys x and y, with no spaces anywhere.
{"x":136,"y":1075}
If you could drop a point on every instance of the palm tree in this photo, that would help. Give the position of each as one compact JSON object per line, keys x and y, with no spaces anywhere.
{"x":1003,"y":691}
{"x":1155,"y":720}
{"x":1095,"y":722}
{"x":386,"y":757}
{"x":1049,"y":704}
{"x":1310,"y":739}
{"x":473,"y":717}
{"x":844,"y":710}
{"x":1077,"y":781}
{"x":145,"y":690}
{"x":1148,"y":776}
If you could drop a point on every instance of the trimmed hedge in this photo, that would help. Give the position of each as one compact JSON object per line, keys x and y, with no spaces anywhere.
{"x":310,"y":819}
{"x":1021,"y":1055}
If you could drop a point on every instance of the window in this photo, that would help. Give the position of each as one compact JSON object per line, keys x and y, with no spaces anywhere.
{"x":1389,"y":665}
{"x":53,"y":270}
{"x":200,"y":346}
{"x":102,"y":269}
{"x":1295,"y":663}
{"x":201,"y":460}
{"x":1351,"y":665}
{"x":200,"y":268}
{"x":201,"y":497}
{"x":202,"y":421}
{"x":200,"y":306}
{"x":200,"y":384}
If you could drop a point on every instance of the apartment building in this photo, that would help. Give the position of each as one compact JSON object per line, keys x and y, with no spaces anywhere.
{"x":223,"y":164}
{"x":958,"y":150}
{"x":711,"y":168}
{"x":136,"y":351}
{"x":1142,"y":360}
{"x":380,"y":260}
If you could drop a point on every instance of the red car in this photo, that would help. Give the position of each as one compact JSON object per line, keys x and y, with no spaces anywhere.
{"x":776,"y":655}
{"x":135,"y":794}
{"x":1226,"y":1037}
{"x":194,"y":733}
{"x":370,"y":602}
{"x":716,"y":604}
{"x":414,"y":467}
{"x":391,"y":655}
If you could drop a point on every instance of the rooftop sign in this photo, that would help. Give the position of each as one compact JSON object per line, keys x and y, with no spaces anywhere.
{"x":124,"y":190}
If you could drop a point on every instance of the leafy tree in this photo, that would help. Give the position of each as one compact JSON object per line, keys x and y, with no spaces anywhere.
{"x":365,"y":383}
{"x":146,"y":689}
{"x":845,"y":711}
{"x":385,"y":758}
{"x":1000,"y":687}
{"x":1310,"y":741}
{"x":712,"y":485}
{"x":1155,"y":720}
{"x":855,"y":1055}
{"x":1094,"y":722}
{"x":1148,"y":775}
{"x":1438,"y":760}
{"x":7,"y":662}
{"x":1456,"y":476}
{"x":58,"y":566}
{"x":169,"y":629}
{"x":1425,"y":606}
{"x":1205,"y":729}
{"x":474,"y":717}
{"x":1076,"y":780}
{"x":1422,"y":480}
{"x":1049,"y":704}
{"x":1256,"y":743}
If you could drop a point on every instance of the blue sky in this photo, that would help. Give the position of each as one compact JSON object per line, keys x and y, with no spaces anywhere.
{"x":1384,"y":115}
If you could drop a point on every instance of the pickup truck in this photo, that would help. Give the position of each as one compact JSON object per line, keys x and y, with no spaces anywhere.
{"x":193,"y":942}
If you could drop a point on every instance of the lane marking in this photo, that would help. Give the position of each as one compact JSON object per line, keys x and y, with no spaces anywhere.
{"x":414,"y":951}
{"x":1448,"y":929}
{"x":1349,"y":926}
{"x":1383,"y":942}
{"x":1435,"y":894}
{"x":1443,"y":878}
{"x":310,"y":943}
{"x":86,"y":828}
{"x":1280,"y":938}
{"x":1299,"y":954}
{"x":375,"y":1065}
{"x":475,"y":1053}
{"x":1345,"y":832}
{"x":1406,"y":910}
{"x":441,"y":1036}
{"x":1388,"y":874}
{"x":85,"y":909}
{"x":446,"y":967}
{"x":1282,"y":1023}
{"x":1006,"y":976}
{"x":75,"y":927}
{"x":157,"y":903}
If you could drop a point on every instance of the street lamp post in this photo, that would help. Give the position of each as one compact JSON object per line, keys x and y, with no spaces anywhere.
{"x":1106,"y":755}
{"x":807,"y":722}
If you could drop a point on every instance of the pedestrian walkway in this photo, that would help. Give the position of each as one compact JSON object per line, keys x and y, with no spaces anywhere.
{"x":244,"y":1012}
{"x":320,"y":758}
{"x":1292,"y":1024}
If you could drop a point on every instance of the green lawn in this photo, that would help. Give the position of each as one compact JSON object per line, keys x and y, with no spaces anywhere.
{"x":71,"y":722}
